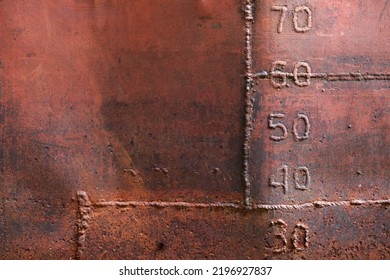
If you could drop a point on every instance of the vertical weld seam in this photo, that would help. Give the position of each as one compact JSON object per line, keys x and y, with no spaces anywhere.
{"x":3,"y":224}
{"x":249,"y":6}
{"x":3,"y":168}
{"x":85,"y":208}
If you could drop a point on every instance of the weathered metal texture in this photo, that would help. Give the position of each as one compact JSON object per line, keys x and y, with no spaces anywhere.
{"x":123,"y":99}
{"x":321,"y":114}
{"x":346,"y":149}
{"x":142,"y":129}
{"x":342,"y":232}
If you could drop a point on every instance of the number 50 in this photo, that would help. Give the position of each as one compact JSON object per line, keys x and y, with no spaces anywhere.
{"x":273,"y":124}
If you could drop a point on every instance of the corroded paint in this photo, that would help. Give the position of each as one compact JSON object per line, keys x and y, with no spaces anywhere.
{"x":174,"y":129}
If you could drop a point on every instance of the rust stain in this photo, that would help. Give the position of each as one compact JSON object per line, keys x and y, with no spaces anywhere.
{"x":237,"y":129}
{"x":125,"y":211}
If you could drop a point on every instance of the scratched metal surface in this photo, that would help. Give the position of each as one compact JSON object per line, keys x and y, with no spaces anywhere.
{"x":142,"y":130}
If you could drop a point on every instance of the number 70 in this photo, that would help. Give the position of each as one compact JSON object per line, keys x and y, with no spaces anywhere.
{"x":297,"y":11}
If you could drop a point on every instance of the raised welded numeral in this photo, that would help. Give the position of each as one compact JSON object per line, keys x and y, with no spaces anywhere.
{"x":300,"y":237}
{"x":301,"y":178}
{"x":277,"y":239}
{"x":309,"y":19}
{"x":278,"y":75}
{"x":279,"y":233}
{"x":306,"y":74}
{"x":274,"y":124}
{"x":306,"y":122}
{"x":283,"y":173}
{"x":301,"y":74}
{"x":302,"y":19}
{"x":277,"y":125}
{"x":283,"y":12}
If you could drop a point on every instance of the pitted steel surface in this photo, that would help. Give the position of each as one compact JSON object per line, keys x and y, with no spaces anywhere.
{"x":194,"y":129}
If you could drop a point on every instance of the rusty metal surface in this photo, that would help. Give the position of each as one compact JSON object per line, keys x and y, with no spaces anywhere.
{"x":347,"y":121}
{"x":194,"y":129}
